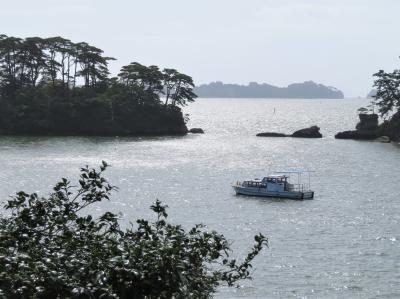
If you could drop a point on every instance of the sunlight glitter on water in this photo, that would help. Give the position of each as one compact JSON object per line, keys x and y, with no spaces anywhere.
{"x":344,"y":243}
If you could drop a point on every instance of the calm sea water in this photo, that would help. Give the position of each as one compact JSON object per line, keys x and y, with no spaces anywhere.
{"x":343,"y":244}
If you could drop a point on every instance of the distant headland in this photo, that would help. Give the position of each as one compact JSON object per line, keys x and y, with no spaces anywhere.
{"x":307,"y":90}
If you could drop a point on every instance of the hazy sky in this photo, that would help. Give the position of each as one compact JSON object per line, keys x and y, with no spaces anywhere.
{"x":339,"y":43}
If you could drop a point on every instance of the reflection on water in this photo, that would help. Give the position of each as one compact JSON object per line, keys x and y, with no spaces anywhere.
{"x":344,"y":243}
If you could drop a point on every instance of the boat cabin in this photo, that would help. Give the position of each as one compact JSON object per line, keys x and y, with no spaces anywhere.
{"x":276,"y":178}
{"x":276,"y":182}
{"x":273,"y":183}
{"x":256,"y":183}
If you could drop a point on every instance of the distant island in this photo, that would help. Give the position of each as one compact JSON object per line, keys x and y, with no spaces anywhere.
{"x":306,"y":90}
{"x":53,"y":86}
{"x":372,"y":94}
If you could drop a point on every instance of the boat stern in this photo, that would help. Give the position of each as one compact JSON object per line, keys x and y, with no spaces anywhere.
{"x":307,"y":195}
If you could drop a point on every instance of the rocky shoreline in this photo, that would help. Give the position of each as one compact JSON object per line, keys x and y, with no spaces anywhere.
{"x":369,"y":128}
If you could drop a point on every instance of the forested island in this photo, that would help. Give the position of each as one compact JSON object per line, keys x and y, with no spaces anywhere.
{"x":52,"y":86}
{"x":306,"y":90}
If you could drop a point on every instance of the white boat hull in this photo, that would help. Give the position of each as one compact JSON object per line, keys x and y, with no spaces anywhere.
{"x":300,"y":195}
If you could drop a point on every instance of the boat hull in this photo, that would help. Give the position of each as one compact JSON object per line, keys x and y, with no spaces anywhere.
{"x":299,"y":195}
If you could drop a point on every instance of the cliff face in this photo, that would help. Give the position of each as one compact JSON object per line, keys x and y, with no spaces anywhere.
{"x":367,"y":122}
{"x":366,"y":129}
{"x":391,"y":128}
{"x":95,"y":120}
{"x":306,"y":90}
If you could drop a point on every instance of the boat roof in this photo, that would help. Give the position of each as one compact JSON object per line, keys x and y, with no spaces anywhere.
{"x":294,"y":170}
{"x":276,"y":176}
{"x":256,"y":180}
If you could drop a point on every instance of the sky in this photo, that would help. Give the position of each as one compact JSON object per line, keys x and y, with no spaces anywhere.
{"x":338,"y":43}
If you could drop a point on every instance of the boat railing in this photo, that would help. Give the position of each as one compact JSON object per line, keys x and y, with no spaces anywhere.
{"x":299,"y":187}
{"x":290,"y":187}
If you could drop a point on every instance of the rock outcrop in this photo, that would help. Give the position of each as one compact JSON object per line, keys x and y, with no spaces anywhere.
{"x":272,"y":134}
{"x":311,"y":132}
{"x":366,"y":129}
{"x":368,"y":122}
{"x":196,"y":131}
{"x":358,"y":135}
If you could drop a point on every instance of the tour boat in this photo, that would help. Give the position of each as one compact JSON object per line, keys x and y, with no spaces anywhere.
{"x":277,"y":184}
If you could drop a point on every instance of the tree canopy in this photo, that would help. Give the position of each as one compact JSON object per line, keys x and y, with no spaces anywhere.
{"x":50,"y":247}
{"x":387,"y":96}
{"x":25,"y":62}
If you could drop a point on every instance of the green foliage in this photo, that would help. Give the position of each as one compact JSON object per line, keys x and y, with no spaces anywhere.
{"x":387,"y":96}
{"x":24,"y":62}
{"x":51,"y":248}
{"x":142,"y":77}
{"x":178,"y":87}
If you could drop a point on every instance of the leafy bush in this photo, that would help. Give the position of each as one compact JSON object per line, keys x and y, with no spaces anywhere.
{"x":51,"y":248}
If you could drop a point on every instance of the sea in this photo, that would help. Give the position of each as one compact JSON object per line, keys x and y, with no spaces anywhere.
{"x":345,"y":243}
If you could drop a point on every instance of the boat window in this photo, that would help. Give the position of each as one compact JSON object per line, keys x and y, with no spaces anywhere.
{"x":254,"y":184}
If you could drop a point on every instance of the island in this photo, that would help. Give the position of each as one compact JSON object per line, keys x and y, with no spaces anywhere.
{"x":53,"y":86}
{"x":371,"y":94}
{"x":305,"y":90}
